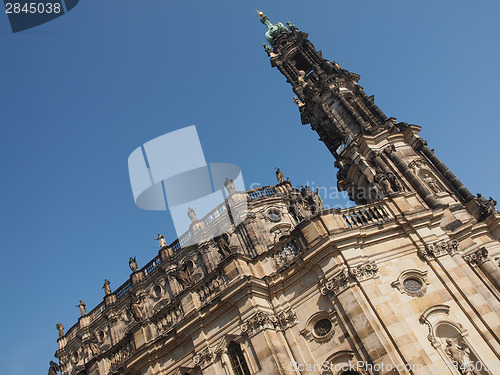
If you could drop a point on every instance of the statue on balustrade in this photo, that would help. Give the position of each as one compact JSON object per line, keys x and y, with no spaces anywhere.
{"x":106,"y":287}
{"x":280,"y":176}
{"x":132,"y":263}
{"x":222,"y":243}
{"x":54,"y":368}
{"x":60,"y":328}
{"x":83,"y":308}
{"x":161,"y":241}
{"x":192,"y":215}
{"x":229,"y":184}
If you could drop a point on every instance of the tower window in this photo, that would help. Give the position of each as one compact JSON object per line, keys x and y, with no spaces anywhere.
{"x":238,"y":362}
{"x":301,"y":63}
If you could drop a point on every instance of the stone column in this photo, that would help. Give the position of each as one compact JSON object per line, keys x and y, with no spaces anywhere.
{"x":421,"y":145}
{"x":419,"y":186}
{"x":481,"y":260}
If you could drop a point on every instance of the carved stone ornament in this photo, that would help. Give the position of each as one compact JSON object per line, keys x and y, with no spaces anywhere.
{"x":477,"y":257}
{"x":258,"y":322}
{"x":207,"y":355}
{"x":368,"y":270}
{"x":438,"y":249}
{"x":419,"y":144}
{"x":412,"y":282}
{"x":287,"y":318}
{"x":432,"y":315}
{"x":336,"y":284}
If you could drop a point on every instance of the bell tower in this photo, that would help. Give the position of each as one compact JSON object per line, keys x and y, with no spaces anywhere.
{"x":376,"y":155}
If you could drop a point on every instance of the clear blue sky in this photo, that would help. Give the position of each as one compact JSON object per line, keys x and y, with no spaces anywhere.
{"x":79,"y":94}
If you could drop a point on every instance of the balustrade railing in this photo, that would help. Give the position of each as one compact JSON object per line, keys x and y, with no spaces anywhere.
{"x":123,"y":353}
{"x":211,"y":288}
{"x":151,"y":266}
{"x":359,"y":216}
{"x":94,"y":314}
{"x":214,"y":214}
{"x":123,"y":289}
{"x":285,"y":254}
{"x":261,"y":192}
{"x":169,"y":319}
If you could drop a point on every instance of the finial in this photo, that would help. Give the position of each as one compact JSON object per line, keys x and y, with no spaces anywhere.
{"x":259,"y":13}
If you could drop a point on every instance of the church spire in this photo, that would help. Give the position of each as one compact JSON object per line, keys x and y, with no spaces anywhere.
{"x":376,"y":156}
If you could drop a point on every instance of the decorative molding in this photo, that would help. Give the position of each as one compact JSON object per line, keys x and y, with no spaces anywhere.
{"x":430,"y":315}
{"x":259,"y":322}
{"x":368,"y":270}
{"x":168,"y":320}
{"x":415,"y":275}
{"x":287,"y":318}
{"x":476,"y":258}
{"x":206,"y":356}
{"x":336,"y":284}
{"x":439,"y":249}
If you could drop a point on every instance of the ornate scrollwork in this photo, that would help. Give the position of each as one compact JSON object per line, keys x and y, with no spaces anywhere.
{"x":336,"y":284}
{"x":207,"y":355}
{"x":365,"y":271}
{"x":438,"y":249}
{"x":477,"y":257}
{"x":258,"y":322}
{"x":287,"y":318}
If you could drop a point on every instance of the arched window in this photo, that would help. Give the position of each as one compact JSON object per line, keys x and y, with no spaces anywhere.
{"x":238,"y":362}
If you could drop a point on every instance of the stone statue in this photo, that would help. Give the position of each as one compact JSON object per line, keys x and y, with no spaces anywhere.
{"x":459,"y":356}
{"x":280,"y":176}
{"x":298,"y":210}
{"x":395,"y":184}
{"x":54,"y":368}
{"x":161,"y":241}
{"x":229,"y":184}
{"x":318,"y":203}
{"x":192,"y":215}
{"x":83,"y":308}
{"x":60,"y":328}
{"x":222,"y":242}
{"x":384,"y":182}
{"x":377,"y":189}
{"x":94,"y":347}
{"x":136,"y":309}
{"x":431,"y":182}
{"x":486,"y":206}
{"x":183,"y":274}
{"x":132,"y":263}
{"x":106,"y":287}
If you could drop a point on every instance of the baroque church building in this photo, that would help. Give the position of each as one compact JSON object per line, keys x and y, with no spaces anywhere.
{"x":406,"y":282}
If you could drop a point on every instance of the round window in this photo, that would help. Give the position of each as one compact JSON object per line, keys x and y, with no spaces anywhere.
{"x":274,"y":214}
{"x":323,"y":327}
{"x":412,"y":285}
{"x":157,"y":291}
{"x":100,"y":335}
